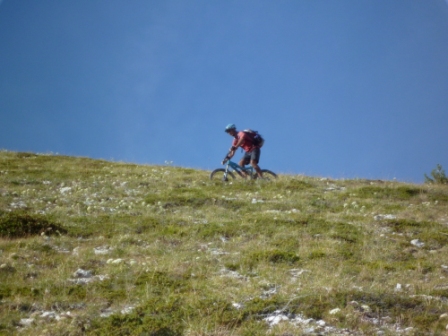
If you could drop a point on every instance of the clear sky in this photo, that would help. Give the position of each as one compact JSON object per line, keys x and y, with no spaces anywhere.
{"x":339,"y":88}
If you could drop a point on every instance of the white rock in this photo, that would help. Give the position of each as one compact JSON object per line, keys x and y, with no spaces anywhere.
{"x":381,"y":217}
{"x":417,"y":242}
{"x":276,"y":319}
{"x":76,"y":251}
{"x":366,"y":308}
{"x":127,"y":310}
{"x":102,"y":250}
{"x":237,"y":305}
{"x":217,"y":252}
{"x":80,"y":273}
{"x":335,"y":311}
{"x":48,"y":314}
{"x":114,"y":261}
{"x":26,"y":322}
{"x":296,"y":272}
{"x":321,"y":323}
{"x":309,"y":331}
{"x":65,"y":190}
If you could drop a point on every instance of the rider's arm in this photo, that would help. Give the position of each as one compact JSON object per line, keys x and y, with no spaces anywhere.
{"x":228,"y":156}
{"x":232,"y":149}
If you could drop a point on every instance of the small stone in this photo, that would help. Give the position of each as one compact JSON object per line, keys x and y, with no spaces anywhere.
{"x":417,"y":242}
{"x":276,"y":319}
{"x":321,"y":323}
{"x":382,"y":217}
{"x":114,"y":261}
{"x":80,"y":273}
{"x":237,"y":305}
{"x":335,"y":311}
{"x":102,"y":250}
{"x":75,"y":251}
{"x":127,"y":310}
{"x":26,"y":322}
{"x":48,"y":315}
{"x":64,"y":190}
{"x":366,"y":308}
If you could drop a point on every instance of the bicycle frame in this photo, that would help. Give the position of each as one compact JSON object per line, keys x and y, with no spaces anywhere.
{"x":237,"y":168}
{"x":244,"y":172}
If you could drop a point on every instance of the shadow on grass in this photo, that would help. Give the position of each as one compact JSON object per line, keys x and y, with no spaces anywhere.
{"x":20,"y":225}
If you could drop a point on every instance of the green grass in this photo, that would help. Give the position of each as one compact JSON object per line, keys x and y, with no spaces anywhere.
{"x":170,"y":252}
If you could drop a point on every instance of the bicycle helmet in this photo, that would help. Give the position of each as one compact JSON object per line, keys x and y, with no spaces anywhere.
{"x":230,"y":127}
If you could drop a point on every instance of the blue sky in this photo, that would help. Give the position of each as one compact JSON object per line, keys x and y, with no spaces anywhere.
{"x":340,"y":89}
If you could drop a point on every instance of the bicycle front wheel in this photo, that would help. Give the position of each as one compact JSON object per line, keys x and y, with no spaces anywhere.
{"x":268,"y":175}
{"x":220,"y":174}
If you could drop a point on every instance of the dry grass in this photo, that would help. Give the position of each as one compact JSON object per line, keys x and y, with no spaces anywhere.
{"x":165,"y":251}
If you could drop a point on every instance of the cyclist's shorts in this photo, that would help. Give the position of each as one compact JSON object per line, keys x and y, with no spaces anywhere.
{"x":252,"y":156}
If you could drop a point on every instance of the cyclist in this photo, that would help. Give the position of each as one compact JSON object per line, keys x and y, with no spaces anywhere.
{"x":245,"y":141}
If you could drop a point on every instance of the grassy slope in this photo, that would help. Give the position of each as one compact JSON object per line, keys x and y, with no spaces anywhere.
{"x":172,"y":253}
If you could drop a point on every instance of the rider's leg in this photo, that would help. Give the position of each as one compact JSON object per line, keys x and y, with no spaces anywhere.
{"x":257,"y":168}
{"x":255,"y":158}
{"x":244,"y":161}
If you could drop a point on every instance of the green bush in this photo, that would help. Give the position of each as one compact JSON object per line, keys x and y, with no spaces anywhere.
{"x":438,"y":176}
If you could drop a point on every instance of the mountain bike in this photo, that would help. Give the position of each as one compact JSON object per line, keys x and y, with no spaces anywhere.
{"x":228,"y":173}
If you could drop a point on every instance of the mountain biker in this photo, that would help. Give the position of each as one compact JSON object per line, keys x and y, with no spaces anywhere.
{"x":243,"y":140}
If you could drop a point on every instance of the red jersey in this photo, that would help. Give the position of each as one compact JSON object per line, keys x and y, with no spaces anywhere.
{"x":247,"y":144}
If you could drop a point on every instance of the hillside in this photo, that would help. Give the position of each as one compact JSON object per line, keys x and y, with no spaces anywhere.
{"x":91,"y":247}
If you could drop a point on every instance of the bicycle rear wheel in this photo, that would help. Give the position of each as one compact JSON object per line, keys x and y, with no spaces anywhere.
{"x":219,"y":174}
{"x":268,"y":175}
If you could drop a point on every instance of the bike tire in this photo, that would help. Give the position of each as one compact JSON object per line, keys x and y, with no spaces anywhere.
{"x":268,"y":175}
{"x":218,"y":174}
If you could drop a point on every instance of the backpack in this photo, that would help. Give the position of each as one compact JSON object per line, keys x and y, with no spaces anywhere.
{"x":256,"y":137}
